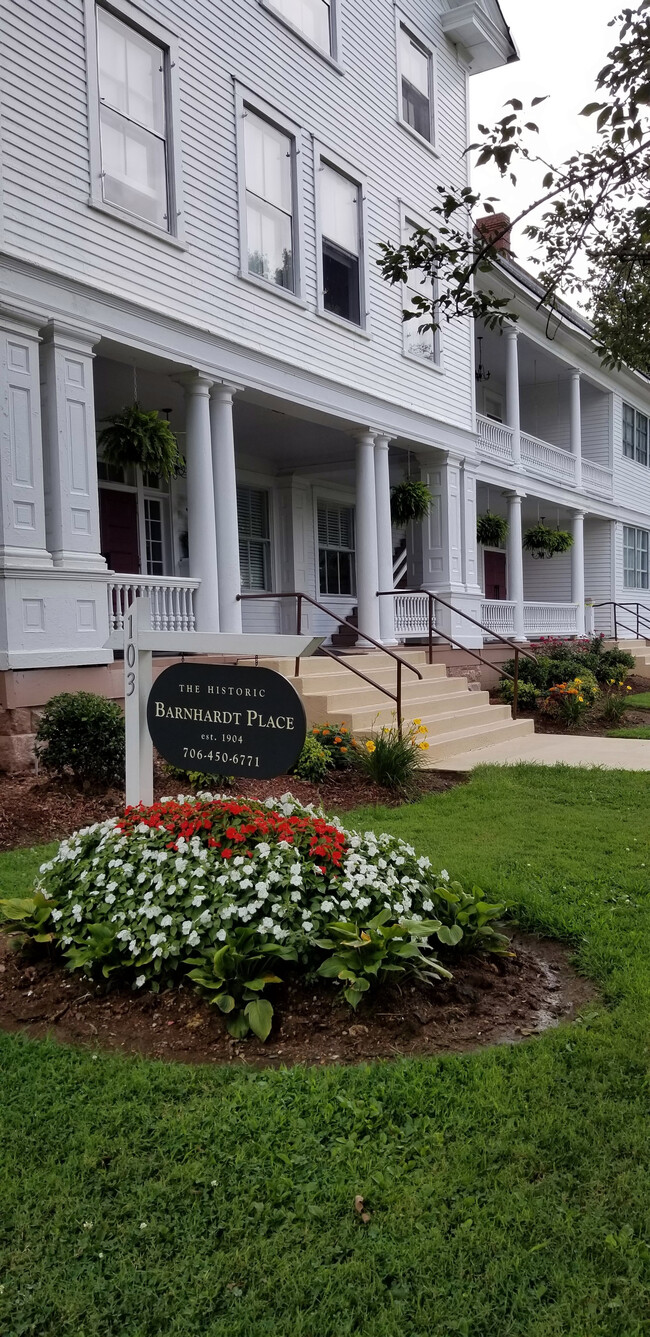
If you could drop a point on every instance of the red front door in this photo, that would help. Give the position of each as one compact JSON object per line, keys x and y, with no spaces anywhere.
{"x":118,"y":517}
{"x":495,"y":575}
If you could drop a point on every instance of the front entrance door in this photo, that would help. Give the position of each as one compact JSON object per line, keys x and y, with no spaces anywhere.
{"x":495,"y":575}
{"x":118,"y":516}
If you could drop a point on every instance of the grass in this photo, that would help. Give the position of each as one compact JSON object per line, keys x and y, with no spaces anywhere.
{"x":634,"y":731}
{"x":639,"y":701}
{"x":508,"y":1190}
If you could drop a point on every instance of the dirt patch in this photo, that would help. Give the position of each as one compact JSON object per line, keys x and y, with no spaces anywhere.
{"x":34,"y":810}
{"x":490,"y":1001}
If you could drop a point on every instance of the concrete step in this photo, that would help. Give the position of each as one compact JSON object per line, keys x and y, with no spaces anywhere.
{"x":368,"y":719}
{"x":347,"y":680}
{"x":356,"y":692}
{"x":461,"y":741}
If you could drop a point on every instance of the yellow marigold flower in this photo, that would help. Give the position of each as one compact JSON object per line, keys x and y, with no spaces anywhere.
{"x":370,"y":746}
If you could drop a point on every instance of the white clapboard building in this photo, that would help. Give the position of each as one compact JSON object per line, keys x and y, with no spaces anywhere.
{"x":192,"y":202}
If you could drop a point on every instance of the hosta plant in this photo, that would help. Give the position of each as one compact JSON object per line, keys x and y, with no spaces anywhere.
{"x":230,"y":894}
{"x":360,"y":956}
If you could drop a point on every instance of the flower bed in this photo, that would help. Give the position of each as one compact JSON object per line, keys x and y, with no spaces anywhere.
{"x":225,"y":891}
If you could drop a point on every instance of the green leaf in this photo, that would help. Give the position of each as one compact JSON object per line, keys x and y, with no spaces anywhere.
{"x":224,"y":1001}
{"x":257,"y":985}
{"x":260,"y":1017}
{"x":238,"y":1026}
{"x":450,"y":935}
{"x":353,"y":997}
{"x":331,"y":967}
{"x":18,"y":908}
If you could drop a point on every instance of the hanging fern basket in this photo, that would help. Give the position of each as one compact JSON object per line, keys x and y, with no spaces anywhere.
{"x":410,"y":502}
{"x":542,"y":541}
{"x":134,"y":436}
{"x":491,"y":530}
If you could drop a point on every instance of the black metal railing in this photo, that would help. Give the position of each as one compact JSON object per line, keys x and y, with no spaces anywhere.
{"x":433,"y":630}
{"x":641,"y":618}
{"x":302,"y":598}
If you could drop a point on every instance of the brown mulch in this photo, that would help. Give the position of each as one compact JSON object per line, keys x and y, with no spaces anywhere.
{"x":34,"y":810}
{"x":490,"y":1001}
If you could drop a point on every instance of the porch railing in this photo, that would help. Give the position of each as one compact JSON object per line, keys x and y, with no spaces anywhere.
{"x":171,"y":600}
{"x":494,"y":438}
{"x":596,"y":479}
{"x":624,"y":614}
{"x":498,"y":616}
{"x":550,"y":619}
{"x":547,"y":459}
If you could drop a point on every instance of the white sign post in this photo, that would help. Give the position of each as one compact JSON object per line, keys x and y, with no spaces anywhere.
{"x":139,"y":643}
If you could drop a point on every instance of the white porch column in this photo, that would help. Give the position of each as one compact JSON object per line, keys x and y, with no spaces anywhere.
{"x":22,"y":512}
{"x":576,"y":425}
{"x":225,"y":503}
{"x":578,"y":568}
{"x":449,"y":546}
{"x":201,"y":528}
{"x":515,"y":559}
{"x":512,"y":391}
{"x":468,"y":516}
{"x":366,"y":538}
{"x":70,"y":448}
{"x":384,"y":539}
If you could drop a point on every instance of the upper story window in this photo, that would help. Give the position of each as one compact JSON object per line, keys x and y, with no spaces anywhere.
{"x":420,"y":343}
{"x":312,"y":18}
{"x":635,"y":435}
{"x":341,"y":227}
{"x":416,"y":83}
{"x":635,"y":558}
{"x":254,"y":538}
{"x":133,"y":120}
{"x":269,"y":203}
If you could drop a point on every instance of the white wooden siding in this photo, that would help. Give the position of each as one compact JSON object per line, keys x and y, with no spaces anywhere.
{"x":46,"y":178}
{"x":598,"y":568}
{"x":547,"y":580}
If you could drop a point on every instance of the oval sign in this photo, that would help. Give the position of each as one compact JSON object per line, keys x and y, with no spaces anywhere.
{"x":222,"y":719}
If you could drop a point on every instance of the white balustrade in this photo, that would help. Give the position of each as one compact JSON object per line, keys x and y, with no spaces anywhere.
{"x":412,"y":614}
{"x":171,"y":601}
{"x":499,"y":616}
{"x":596,"y":479}
{"x":540,"y":457}
{"x":494,"y":438}
{"x":551,"y":619}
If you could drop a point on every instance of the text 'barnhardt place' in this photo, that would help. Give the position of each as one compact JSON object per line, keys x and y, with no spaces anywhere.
{"x":200,"y":716}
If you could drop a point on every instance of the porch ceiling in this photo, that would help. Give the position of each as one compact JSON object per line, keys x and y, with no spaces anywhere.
{"x":537,"y":364}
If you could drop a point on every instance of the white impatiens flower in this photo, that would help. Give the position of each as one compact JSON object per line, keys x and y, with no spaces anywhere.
{"x":186,"y":927}
{"x":444,"y":875}
{"x":166,"y":921}
{"x":77,"y":912}
{"x":194,"y":939}
{"x":221,"y":935}
{"x":140,"y":980}
{"x":57,"y":914}
{"x":198,"y":900}
{"x":307,"y":925}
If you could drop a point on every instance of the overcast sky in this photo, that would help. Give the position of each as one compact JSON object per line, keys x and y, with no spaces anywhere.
{"x":562,"y":46}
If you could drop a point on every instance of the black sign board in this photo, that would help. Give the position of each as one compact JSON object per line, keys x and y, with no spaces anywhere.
{"x":226,"y":720}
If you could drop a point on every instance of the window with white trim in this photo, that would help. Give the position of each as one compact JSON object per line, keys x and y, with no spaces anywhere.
{"x":335,"y":548}
{"x":635,"y":435}
{"x":269,"y":156}
{"x":635,"y":558}
{"x":254,"y":538}
{"x":416,"y":83}
{"x":419,"y":342}
{"x":133,"y":74}
{"x":341,"y":226}
{"x":312,"y":18}
{"x":154,"y":537}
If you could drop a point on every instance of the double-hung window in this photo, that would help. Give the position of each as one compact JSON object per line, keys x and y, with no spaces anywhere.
{"x":335,"y":548}
{"x":635,"y":435}
{"x":133,"y":84}
{"x":635,"y":558}
{"x":341,"y":227}
{"x":312,"y":18}
{"x":416,"y":80}
{"x":254,"y":538}
{"x":269,"y":209}
{"x":420,"y":340}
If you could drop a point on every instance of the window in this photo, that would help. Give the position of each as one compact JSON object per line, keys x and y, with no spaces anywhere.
{"x":420,"y":343}
{"x":416,"y":84}
{"x":335,"y":548}
{"x":269,"y":156}
{"x":635,"y":435}
{"x":254,"y":538}
{"x":340,"y":219}
{"x":635,"y":558}
{"x":153,"y":531}
{"x":313,"y":18}
{"x":133,"y":120}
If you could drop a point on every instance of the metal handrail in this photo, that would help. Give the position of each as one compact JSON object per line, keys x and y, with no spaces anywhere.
{"x":301,"y":597}
{"x":628,"y":608}
{"x":513,"y":645}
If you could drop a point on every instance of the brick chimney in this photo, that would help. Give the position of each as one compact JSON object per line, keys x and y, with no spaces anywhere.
{"x":490,"y":226}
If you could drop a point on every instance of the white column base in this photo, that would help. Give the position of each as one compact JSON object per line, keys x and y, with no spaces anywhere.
{"x":453,"y":623}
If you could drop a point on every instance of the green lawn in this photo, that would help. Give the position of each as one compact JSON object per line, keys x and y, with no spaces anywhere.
{"x":634,"y":731}
{"x":639,"y":701}
{"x":509,"y":1189}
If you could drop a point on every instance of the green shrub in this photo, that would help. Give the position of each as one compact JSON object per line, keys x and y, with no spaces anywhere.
{"x":615,"y":663}
{"x":390,"y":760}
{"x":338,"y":743}
{"x":81,"y":735}
{"x":313,"y":762}
{"x":527,"y":696}
{"x":199,"y":780}
{"x":536,"y":671}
